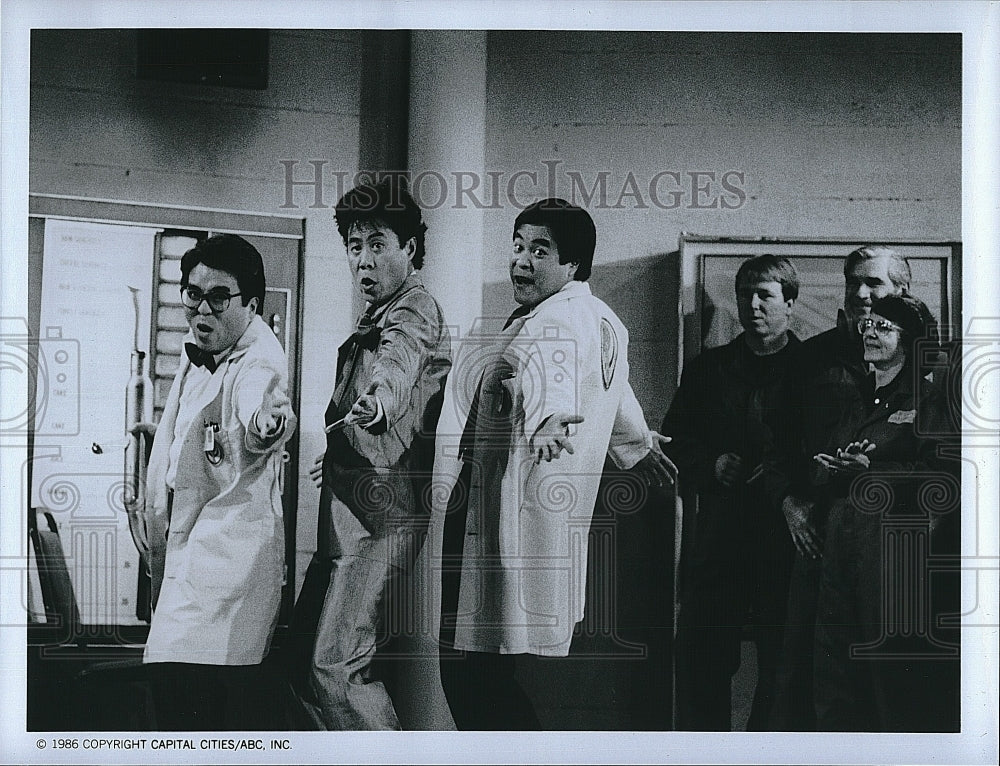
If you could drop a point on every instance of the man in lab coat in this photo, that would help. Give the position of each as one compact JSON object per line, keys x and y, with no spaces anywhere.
{"x":213,"y":518}
{"x":553,"y":401}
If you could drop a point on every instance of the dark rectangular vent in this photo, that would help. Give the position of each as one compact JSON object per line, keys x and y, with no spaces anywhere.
{"x":234,"y":58}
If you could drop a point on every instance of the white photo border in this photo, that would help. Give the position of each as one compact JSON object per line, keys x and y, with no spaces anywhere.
{"x":979,"y":22}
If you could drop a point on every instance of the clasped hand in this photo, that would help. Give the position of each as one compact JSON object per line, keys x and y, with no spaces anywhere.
{"x":850,"y":459}
{"x":728,"y":468}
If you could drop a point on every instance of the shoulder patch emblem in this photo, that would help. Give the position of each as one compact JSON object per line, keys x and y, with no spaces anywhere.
{"x":609,"y":352}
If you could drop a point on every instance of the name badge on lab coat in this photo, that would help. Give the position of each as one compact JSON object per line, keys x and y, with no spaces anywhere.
{"x":213,"y":450}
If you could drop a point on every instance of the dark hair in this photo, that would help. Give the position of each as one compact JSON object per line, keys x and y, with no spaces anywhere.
{"x":386,"y":203}
{"x":899,"y":267}
{"x":769,"y":268}
{"x":572,"y":228}
{"x":913,"y":316}
{"x":234,"y":255}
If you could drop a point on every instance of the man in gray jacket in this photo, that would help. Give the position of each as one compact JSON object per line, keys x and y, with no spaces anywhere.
{"x":380,"y":426}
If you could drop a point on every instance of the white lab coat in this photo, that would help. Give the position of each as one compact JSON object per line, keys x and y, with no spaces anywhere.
{"x":218,"y":570}
{"x":569,"y":355}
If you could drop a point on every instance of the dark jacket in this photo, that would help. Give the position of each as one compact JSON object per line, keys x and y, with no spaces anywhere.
{"x":912,"y":472}
{"x":885,"y":660}
{"x":729,"y":400}
{"x":827,"y":397}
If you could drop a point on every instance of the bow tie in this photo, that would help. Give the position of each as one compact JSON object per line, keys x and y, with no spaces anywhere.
{"x":201,"y":358}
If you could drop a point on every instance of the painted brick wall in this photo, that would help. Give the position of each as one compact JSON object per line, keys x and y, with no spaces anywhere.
{"x":846,"y":136}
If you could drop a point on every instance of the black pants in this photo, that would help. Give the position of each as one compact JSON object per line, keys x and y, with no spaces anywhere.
{"x":481,"y":688}
{"x":484,"y":694}
{"x":794,"y":708}
{"x":737,"y":577}
{"x":189,"y":697}
{"x":881,"y":661}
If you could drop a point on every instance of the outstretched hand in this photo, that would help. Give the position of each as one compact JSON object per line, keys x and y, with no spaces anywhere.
{"x":365,"y":409}
{"x":552,"y":437}
{"x":275,"y":407}
{"x":656,"y":469}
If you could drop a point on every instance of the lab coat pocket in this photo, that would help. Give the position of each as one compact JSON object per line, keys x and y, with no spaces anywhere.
{"x":230,"y":555}
{"x":221,"y":458}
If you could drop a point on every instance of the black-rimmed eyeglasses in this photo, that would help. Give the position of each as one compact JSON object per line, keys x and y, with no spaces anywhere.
{"x":218,"y":300}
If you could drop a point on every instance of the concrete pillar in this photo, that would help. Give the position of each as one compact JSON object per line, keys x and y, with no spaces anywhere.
{"x":447,"y":135}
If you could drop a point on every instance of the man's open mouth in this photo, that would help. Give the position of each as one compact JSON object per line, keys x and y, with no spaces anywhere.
{"x":368,"y":282}
{"x":202,"y":327}
{"x":523,"y":281}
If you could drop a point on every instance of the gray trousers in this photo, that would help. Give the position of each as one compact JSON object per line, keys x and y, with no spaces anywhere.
{"x":344,"y":617}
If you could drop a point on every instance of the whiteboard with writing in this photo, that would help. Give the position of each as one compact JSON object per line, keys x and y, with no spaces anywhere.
{"x":86,"y":336}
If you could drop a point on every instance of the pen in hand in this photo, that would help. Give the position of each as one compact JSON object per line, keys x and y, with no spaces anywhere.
{"x":337,"y":425}
{"x":757,"y":473}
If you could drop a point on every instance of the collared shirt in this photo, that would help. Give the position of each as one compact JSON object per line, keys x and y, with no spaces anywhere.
{"x":880,"y":396}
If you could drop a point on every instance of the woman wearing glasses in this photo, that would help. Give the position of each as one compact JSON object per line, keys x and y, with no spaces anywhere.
{"x":883,"y":661}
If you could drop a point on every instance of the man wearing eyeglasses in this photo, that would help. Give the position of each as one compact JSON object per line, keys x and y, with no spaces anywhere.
{"x":833,"y":391}
{"x":213,"y":516}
